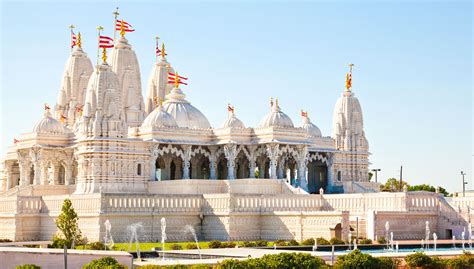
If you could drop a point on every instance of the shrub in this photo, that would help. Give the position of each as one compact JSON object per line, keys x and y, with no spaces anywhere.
{"x":387,"y":262}
{"x":95,"y":246}
{"x":215,"y":244}
{"x":322,"y":241}
{"x":465,"y":260}
{"x":28,"y":266}
{"x":104,"y":262}
{"x":280,"y":243}
{"x":356,"y":259}
{"x":229,"y":244}
{"x":336,"y":241}
{"x":381,"y":240}
{"x":418,"y":259}
{"x":308,"y":242}
{"x":176,"y":247}
{"x":275,"y":261}
{"x":58,"y":242}
{"x":4,"y":240}
{"x":365,"y":241}
{"x":191,"y":246}
{"x":249,"y":244}
{"x":261,"y":243}
{"x":293,"y":242}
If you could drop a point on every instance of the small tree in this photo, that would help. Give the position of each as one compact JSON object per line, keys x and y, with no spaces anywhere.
{"x":67,"y":223}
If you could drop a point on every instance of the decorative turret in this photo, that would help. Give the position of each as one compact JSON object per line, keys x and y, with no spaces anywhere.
{"x":76,"y":75}
{"x":103,"y":114}
{"x":157,"y":82}
{"x":276,"y":117}
{"x":125,"y":64}
{"x":232,"y":121}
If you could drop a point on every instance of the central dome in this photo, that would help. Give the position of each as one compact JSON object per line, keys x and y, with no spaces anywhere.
{"x":276,"y":118}
{"x":185,"y":114}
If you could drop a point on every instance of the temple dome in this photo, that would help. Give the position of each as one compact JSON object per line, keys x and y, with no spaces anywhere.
{"x":159,"y":118}
{"x":233,"y":122}
{"x":310,"y":128}
{"x":276,"y":118}
{"x":49,"y":125}
{"x":185,"y":114}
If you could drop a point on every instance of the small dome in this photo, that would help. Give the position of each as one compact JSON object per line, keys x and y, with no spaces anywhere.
{"x":49,"y":125}
{"x":310,"y":128}
{"x":185,"y":114}
{"x":233,"y":122}
{"x":159,"y":118}
{"x":276,"y":118}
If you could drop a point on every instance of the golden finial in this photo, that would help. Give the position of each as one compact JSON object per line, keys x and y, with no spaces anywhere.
{"x":271,"y":101}
{"x":349,"y":78}
{"x":176,"y":80}
{"x":79,"y":44}
{"x":104,"y":55}
{"x":161,"y":102}
{"x":276,"y":102}
{"x":163,"y":50}
{"x":122,"y":29}
{"x":155,"y":100}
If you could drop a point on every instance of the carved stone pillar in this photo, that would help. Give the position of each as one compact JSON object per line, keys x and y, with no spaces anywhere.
{"x":153,"y":156}
{"x":166,"y":173}
{"x":44,"y":173}
{"x":212,"y":163}
{"x":281,"y":166}
{"x":186,"y":161}
{"x":37,"y":175}
{"x":230,"y":152}
{"x":9,"y":183}
{"x":55,"y":180}
{"x":301,"y":162}
{"x":24,"y":173}
{"x":35,"y":155}
{"x":252,"y":160}
{"x":273,"y":151}
{"x":68,"y":177}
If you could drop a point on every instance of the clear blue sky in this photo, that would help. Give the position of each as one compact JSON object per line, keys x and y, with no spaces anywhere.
{"x":412,"y":74}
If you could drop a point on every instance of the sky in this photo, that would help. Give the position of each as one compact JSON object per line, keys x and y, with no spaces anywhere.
{"x":412,"y":73}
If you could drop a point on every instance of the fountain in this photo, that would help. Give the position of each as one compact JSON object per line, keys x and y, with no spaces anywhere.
{"x":108,"y":239}
{"x":190,"y":229}
{"x":355,"y":243}
{"x":387,"y":228}
{"x":133,"y":230}
{"x":435,"y":237}
{"x":163,"y":237}
{"x":469,"y":233}
{"x":391,"y":241}
{"x":454,"y":241}
{"x":349,"y":239}
{"x":427,"y":234}
{"x":462,"y":239}
{"x":396,"y":246}
{"x":315,"y":246}
{"x":422,"y":244}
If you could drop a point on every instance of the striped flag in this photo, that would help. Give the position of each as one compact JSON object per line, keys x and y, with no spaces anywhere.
{"x":106,"y":42}
{"x":73,"y":39}
{"x":62,"y":118}
{"x":230,"y":108}
{"x":304,"y":114}
{"x":176,"y":79}
{"x":15,"y":141}
{"x":127,"y":27}
{"x":46,"y":107}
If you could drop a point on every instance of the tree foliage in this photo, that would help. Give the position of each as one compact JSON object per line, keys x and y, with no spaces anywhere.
{"x":393,"y":185}
{"x":67,"y":223}
{"x":104,"y":263}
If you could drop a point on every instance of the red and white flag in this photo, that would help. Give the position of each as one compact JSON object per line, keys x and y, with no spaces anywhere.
{"x":106,"y":42}
{"x":173,"y":78}
{"x":16,"y":141}
{"x":127,"y":27}
{"x":73,"y":39}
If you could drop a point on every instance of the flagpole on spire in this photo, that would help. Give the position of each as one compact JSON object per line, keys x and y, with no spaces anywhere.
{"x":176,"y":79}
{"x":116,"y":13}
{"x":157,"y":47}
{"x":349,"y":78}
{"x":99,"y":28}
{"x":71,"y":27}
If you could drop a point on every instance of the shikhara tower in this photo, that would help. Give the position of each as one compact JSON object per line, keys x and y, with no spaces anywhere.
{"x":105,"y":138}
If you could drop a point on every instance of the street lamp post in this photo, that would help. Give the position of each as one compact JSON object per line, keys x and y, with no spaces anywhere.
{"x":463,"y":184}
{"x":375,"y":171}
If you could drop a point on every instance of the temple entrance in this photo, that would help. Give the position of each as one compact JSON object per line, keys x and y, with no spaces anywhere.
{"x":317,"y":176}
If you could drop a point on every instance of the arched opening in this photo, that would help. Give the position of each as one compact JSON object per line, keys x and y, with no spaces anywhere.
{"x":242,"y":166}
{"x":139,"y":169}
{"x":199,"y":167}
{"x":176,"y":168}
{"x":160,"y":169}
{"x":339,"y":176}
{"x":317,"y":176}
{"x":222,"y":167}
{"x":61,"y":174}
{"x":336,"y":232}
